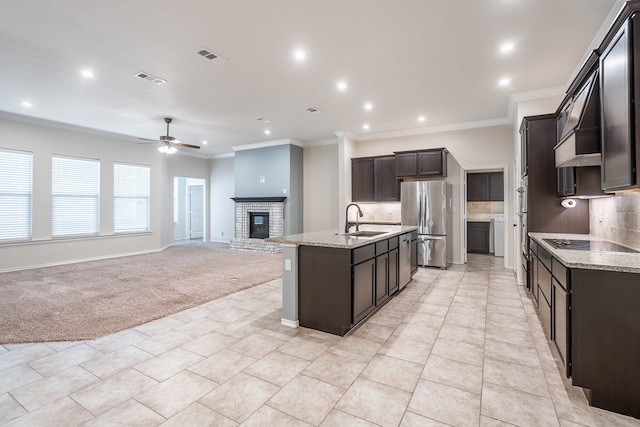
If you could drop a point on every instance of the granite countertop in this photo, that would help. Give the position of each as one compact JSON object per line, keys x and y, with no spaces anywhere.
{"x":590,"y":260}
{"x":335,"y":238}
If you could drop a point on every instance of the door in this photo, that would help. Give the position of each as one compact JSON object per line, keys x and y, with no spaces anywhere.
{"x":433,"y":206}
{"x":432,"y":251}
{"x":196,"y":211}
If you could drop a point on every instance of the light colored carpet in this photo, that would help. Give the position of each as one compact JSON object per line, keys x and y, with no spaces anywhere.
{"x":91,"y":299}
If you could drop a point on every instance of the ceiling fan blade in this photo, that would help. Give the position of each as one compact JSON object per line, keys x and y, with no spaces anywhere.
{"x":182,"y":144}
{"x":147,"y":141}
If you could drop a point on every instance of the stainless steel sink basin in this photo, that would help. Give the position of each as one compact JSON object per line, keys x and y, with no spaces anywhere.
{"x":364,"y":233}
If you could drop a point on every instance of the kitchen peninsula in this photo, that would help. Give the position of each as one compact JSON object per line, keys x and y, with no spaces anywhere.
{"x":332,"y":280}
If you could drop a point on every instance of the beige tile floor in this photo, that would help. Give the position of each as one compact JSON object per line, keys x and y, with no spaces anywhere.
{"x":456,"y":347}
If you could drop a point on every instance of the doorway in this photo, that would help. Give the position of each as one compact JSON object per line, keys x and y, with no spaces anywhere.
{"x":485,"y":212}
{"x":188,"y":209}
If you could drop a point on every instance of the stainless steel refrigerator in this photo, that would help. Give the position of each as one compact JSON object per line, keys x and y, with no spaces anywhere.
{"x":427,"y":205}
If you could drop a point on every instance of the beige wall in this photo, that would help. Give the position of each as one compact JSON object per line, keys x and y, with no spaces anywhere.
{"x":45,"y":139}
{"x":470,"y":149}
{"x":222,"y":184}
{"x":321,"y":192}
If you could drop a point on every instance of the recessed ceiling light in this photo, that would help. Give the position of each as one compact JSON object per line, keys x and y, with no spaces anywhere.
{"x":204,"y":142}
{"x":504,"y":81}
{"x":300,"y":55}
{"x":27,"y":104}
{"x":368,"y":106}
{"x":267,"y":132}
{"x":87,"y":74}
{"x":342,"y":85}
{"x":422,"y":118}
{"x":365,"y":126}
{"x":507,"y":47}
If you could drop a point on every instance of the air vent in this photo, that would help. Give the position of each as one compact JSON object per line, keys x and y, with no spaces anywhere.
{"x":263,"y":120}
{"x":313,"y":110}
{"x":149,"y":77}
{"x":213,"y":57}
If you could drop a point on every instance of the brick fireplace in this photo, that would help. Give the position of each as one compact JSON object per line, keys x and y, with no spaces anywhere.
{"x":248,"y":208}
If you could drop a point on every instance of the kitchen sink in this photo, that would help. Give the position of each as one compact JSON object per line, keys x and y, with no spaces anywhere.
{"x":364,"y":233}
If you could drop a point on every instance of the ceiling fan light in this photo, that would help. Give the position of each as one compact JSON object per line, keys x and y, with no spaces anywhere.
{"x":167,"y":149}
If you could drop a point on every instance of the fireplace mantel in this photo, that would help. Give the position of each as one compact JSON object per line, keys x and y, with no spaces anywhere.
{"x":258,"y":199}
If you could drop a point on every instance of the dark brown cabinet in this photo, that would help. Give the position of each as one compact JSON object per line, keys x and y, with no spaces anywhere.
{"x":605,"y":349}
{"x":364,"y":281}
{"x":393,"y":270}
{"x":422,"y":164}
{"x":338,"y":288}
{"x":485,"y":187}
{"x":545,"y":213}
{"x":373,"y":179}
{"x":385,"y":184}
{"x":579,"y":181}
{"x":362,"y":180}
{"x":619,"y":81}
{"x":478,"y":237}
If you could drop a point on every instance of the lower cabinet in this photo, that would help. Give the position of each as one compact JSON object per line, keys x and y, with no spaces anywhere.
{"x":478,"y":238}
{"x":393,"y":271}
{"x":364,"y":280}
{"x":338,"y":288}
{"x":592,"y":320}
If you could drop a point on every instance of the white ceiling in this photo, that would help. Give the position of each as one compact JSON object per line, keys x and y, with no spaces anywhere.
{"x":435,"y":58}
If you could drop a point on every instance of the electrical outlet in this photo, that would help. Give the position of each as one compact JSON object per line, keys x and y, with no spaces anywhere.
{"x":600,"y":216}
{"x":262,"y":180}
{"x":287,"y":264}
{"x":284,"y":191}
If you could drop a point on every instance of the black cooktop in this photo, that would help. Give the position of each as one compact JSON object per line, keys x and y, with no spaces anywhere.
{"x":588,"y":245}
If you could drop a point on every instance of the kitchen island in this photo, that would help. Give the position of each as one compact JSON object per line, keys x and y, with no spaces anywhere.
{"x":587,"y":291}
{"x":332,"y":280}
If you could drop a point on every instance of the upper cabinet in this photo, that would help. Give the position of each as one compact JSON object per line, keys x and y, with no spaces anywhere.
{"x":422,"y":164}
{"x":485,"y":187}
{"x":373,"y":179}
{"x":620,"y":86}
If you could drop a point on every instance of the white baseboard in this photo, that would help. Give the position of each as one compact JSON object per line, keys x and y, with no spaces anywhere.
{"x":289,"y":323}
{"x":75,"y":261}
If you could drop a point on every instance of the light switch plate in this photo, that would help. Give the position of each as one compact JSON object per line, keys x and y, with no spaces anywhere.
{"x":287,"y":264}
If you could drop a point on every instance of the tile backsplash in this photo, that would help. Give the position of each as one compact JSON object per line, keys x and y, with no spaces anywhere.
{"x":480,"y":211}
{"x":617,"y":218}
{"x":383,"y":212}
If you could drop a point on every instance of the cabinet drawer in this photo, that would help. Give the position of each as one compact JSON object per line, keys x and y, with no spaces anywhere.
{"x":560,"y":272}
{"x":382,"y":247}
{"x":393,"y":243}
{"x":545,"y":257}
{"x":362,"y":254}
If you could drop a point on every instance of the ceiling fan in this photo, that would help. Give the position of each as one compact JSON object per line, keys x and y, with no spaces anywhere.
{"x":168,"y":144}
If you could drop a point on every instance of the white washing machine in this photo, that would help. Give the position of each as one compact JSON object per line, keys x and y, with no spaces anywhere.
{"x":498,"y":234}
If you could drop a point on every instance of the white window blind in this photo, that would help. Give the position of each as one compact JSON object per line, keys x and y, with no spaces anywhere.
{"x":75,"y":196}
{"x":16,"y":171}
{"x":130,"y":198}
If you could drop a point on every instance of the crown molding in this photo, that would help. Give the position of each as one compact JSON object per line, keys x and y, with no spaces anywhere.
{"x":438,"y":129}
{"x":267,"y":144}
{"x":221,"y":156}
{"x":346,"y":134}
{"x":532,"y":95}
{"x":321,"y":143}
{"x":62,"y":126}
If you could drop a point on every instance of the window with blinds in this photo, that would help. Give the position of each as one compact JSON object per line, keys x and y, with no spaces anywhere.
{"x":16,"y":171}
{"x":131,"y":194}
{"x":75,"y":189}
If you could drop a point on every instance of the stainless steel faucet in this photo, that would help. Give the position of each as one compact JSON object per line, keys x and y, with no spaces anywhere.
{"x":347,"y":224}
